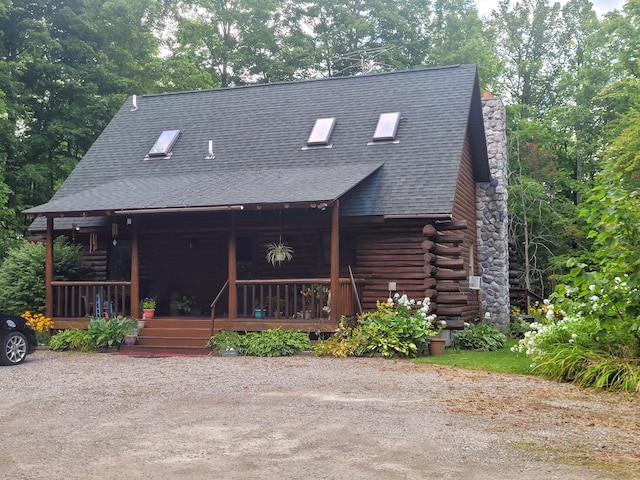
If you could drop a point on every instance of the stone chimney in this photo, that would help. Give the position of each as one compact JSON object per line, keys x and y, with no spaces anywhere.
{"x":492,"y":218}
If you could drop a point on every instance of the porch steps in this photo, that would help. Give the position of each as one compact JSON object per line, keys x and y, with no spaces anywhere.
{"x":185,"y":336}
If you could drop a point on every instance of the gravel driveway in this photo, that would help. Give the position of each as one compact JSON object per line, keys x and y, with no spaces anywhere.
{"x":102,"y":416}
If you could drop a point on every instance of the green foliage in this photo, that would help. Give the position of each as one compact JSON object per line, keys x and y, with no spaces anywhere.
{"x":268,"y":343}
{"x":348,"y":341}
{"x":106,"y":333}
{"x":518,"y":327}
{"x":43,"y":338}
{"x":101,"y":333}
{"x":275,"y":343}
{"x":397,"y":327}
{"x":589,"y":351}
{"x":74,"y":339}
{"x":480,"y":336}
{"x":587,"y":367}
{"x":225,"y":340}
{"x":22,"y":276}
{"x":148,"y":303}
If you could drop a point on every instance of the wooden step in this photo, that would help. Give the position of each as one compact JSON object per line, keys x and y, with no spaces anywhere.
{"x":162,"y":350}
{"x":182,"y":323}
{"x":175,"y":332}
{"x":145,"y":340}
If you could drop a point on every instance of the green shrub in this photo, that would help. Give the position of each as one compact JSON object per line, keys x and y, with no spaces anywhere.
{"x":518,"y":327}
{"x":225,"y":340}
{"x":275,"y":343}
{"x":480,"y":336}
{"x":23,"y":271}
{"x":106,"y":333}
{"x":74,"y":339}
{"x":100,"y":333}
{"x":399,"y":326}
{"x":268,"y":343}
{"x":586,"y":351}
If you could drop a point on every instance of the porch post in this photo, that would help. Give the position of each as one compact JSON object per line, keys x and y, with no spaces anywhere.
{"x":135,"y":269}
{"x":335,"y":264}
{"x":233,"y":274}
{"x":48,"y":266}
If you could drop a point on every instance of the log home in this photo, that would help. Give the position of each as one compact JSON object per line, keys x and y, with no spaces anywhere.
{"x":378,"y":183}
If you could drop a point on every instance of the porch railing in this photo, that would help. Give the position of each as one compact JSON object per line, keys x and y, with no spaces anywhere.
{"x":95,"y":299}
{"x":303,"y":298}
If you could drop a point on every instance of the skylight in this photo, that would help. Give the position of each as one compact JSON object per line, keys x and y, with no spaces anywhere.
{"x":164,"y":143}
{"x":321,"y":131}
{"x":387,"y":126}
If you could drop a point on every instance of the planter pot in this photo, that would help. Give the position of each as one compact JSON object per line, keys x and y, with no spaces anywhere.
{"x":280,"y":257}
{"x":436,"y":346}
{"x":307,"y":314}
{"x":140,"y":324}
{"x":148,"y":313}
{"x":130,"y":340}
{"x":257,"y":313}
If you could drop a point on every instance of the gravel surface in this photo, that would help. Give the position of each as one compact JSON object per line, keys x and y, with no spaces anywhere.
{"x":86,"y":416}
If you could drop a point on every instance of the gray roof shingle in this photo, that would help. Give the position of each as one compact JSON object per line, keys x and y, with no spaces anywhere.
{"x":258,"y":135}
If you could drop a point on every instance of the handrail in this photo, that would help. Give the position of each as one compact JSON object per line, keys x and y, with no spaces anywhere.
{"x":213,"y":304}
{"x":527,"y":294}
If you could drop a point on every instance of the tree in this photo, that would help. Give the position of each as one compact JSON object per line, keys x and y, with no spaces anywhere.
{"x":64,"y":69}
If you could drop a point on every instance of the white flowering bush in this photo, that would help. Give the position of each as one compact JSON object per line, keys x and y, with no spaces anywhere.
{"x":583,"y":348}
{"x":400,"y":326}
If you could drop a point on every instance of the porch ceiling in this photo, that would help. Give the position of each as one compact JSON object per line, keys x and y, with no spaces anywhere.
{"x":226,"y":188}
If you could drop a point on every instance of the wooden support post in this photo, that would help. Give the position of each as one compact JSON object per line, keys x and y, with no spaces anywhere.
{"x":335,"y":264}
{"x":48,"y":267}
{"x":233,"y":273}
{"x":135,"y":269}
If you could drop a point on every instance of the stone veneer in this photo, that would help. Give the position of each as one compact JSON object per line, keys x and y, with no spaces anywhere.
{"x":492,"y":219}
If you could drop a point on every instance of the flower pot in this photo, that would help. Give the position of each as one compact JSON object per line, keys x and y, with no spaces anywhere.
{"x":140,"y":324}
{"x":130,"y":340}
{"x":307,"y":314}
{"x":257,"y":313}
{"x":436,"y":346}
{"x":148,"y":313}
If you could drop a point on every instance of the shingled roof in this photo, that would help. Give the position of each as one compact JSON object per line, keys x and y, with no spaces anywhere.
{"x":259,"y":136}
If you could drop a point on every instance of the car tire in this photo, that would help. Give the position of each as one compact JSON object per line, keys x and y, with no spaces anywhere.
{"x":13,"y":349}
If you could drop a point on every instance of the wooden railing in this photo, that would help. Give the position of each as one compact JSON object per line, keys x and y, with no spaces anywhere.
{"x":94,"y":299}
{"x":524,"y":298}
{"x":215,"y":302}
{"x":304,"y":298}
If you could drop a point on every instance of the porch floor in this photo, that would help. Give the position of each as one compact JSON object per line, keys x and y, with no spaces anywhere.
{"x":188,"y":335}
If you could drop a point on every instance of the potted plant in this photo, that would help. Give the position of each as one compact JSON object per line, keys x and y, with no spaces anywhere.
{"x":148,"y":308}
{"x":278,"y":253}
{"x":131,"y":337}
{"x":184,"y":305}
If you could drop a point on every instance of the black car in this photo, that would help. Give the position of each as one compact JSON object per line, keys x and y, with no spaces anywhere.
{"x":17,"y":339}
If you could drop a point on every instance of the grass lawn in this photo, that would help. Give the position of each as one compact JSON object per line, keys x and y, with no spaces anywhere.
{"x":503,"y":360}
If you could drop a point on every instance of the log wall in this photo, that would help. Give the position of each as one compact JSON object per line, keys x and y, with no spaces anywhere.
{"x":465,"y":207}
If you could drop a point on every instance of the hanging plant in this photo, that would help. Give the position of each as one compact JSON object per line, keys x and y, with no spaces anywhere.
{"x":278,"y":253}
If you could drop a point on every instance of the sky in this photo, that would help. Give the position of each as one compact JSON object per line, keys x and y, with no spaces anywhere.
{"x":600,"y":6}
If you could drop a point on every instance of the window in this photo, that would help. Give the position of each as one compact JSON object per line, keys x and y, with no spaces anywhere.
{"x":321,"y":131}
{"x":387,"y":126}
{"x":164,"y":143}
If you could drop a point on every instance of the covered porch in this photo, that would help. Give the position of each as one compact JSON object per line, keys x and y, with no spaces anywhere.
{"x":198,"y":251}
